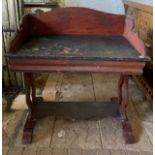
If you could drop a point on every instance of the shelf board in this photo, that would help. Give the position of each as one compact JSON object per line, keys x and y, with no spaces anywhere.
{"x":142,"y":5}
{"x":46,"y":5}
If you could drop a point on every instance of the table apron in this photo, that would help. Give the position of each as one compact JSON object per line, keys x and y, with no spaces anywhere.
{"x":77,"y":66}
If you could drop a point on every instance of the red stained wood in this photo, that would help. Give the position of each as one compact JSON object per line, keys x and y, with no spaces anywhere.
{"x":76,"y":66}
{"x":76,"y":20}
{"x":45,"y":62}
{"x":21,"y":35}
{"x":127,"y":70}
{"x":123,"y":103}
{"x":132,"y":36}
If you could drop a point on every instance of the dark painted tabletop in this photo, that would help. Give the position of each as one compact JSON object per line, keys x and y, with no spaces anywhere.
{"x":78,"y":47}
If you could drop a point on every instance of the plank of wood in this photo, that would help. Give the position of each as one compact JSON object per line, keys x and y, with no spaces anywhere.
{"x":15,"y":151}
{"x":77,"y":20}
{"x":74,"y":152}
{"x":111,"y":134}
{"x":5,"y":150}
{"x":132,"y":153}
{"x":77,"y":87}
{"x":142,"y":141}
{"x":149,"y":130}
{"x":5,"y":137}
{"x":76,"y":134}
{"x":146,"y":153}
{"x":144,"y":110}
{"x":78,"y":47}
{"x":57,"y":151}
{"x":140,"y":5}
{"x":103,"y":83}
{"x":42,"y":133}
{"x":104,"y":152}
{"x":89,"y":152}
{"x":11,"y":123}
{"x":45,"y":151}
{"x":50,"y":88}
{"x":30,"y":151}
{"x":117,"y":152}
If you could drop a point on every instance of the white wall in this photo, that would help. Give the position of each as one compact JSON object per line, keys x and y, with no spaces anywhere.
{"x":110,"y":6}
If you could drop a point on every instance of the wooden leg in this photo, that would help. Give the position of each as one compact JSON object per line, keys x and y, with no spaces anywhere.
{"x":123,"y":102}
{"x":30,"y":100}
{"x":33,"y":89}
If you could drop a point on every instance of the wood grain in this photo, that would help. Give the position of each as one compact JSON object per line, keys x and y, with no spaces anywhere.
{"x":74,"y":20}
{"x":140,"y":5}
{"x":76,"y":66}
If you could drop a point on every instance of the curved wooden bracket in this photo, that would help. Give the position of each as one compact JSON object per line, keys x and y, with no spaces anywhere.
{"x":31,"y":101}
{"x":123,"y":102}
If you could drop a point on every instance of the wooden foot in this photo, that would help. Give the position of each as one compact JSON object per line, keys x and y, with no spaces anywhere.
{"x":123,"y":102}
{"x":127,"y":132}
{"x":27,"y":136}
{"x":28,"y":130}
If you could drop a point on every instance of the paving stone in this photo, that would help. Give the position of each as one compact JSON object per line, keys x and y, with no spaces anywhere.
{"x":104,"y":152}
{"x":103,"y":83}
{"x":41,"y":135}
{"x":117,"y":152}
{"x":77,"y":87}
{"x":74,"y":152}
{"x":30,"y":151}
{"x":45,"y":151}
{"x":111,"y":133}
{"x":15,"y":151}
{"x":89,"y":152}
{"x":59,"y":151}
{"x":78,"y":134}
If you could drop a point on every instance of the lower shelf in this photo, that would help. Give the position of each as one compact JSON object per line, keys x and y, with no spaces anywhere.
{"x":77,"y":110}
